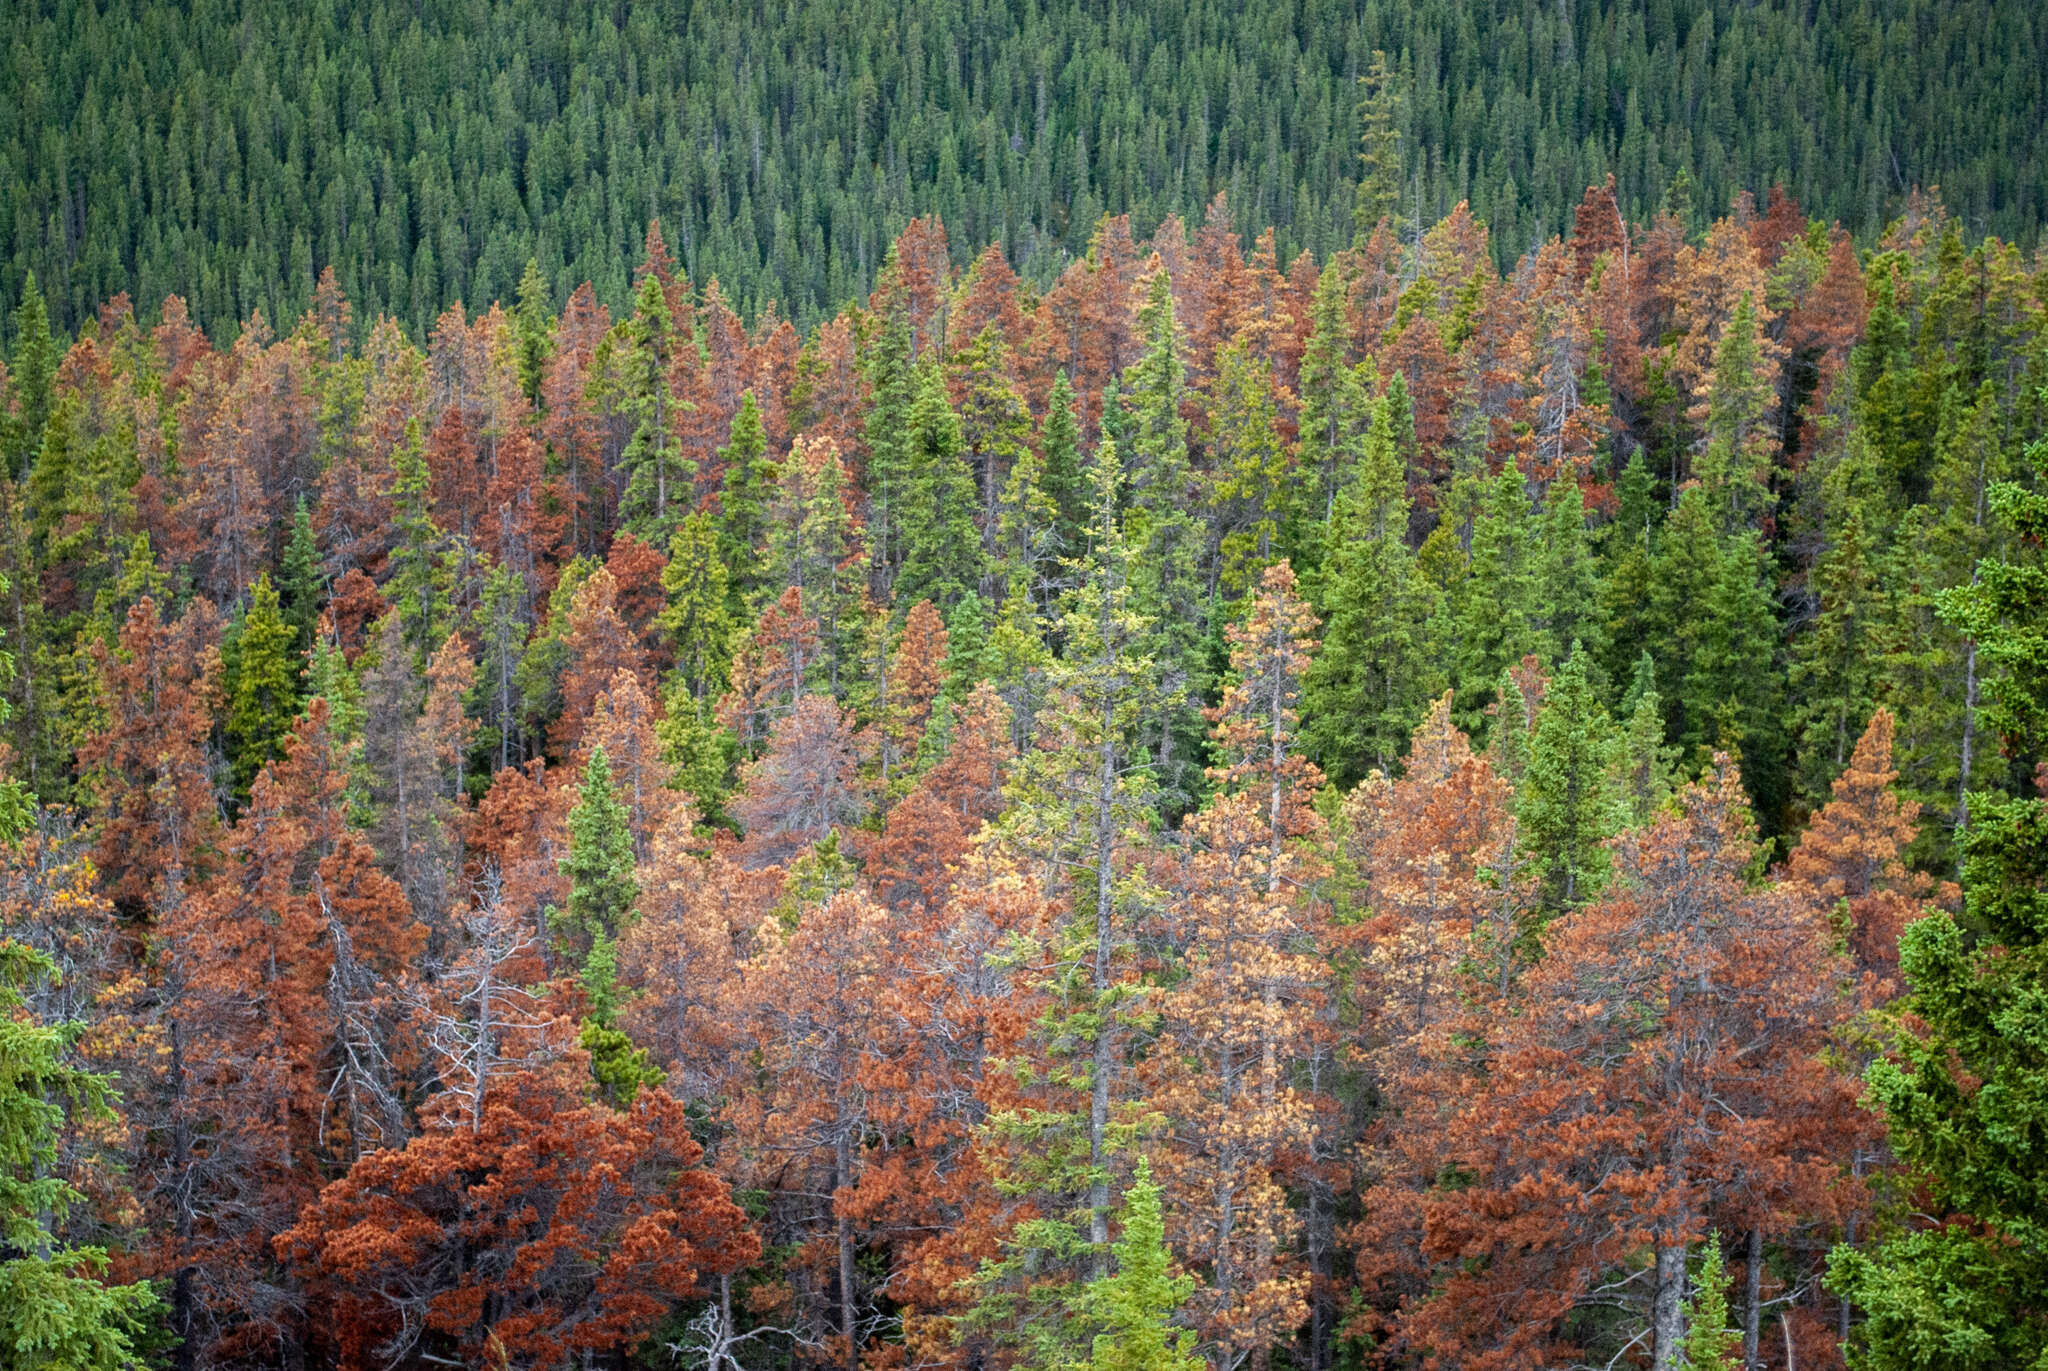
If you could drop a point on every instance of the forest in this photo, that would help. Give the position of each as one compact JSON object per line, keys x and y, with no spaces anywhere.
{"x":226,"y":151}
{"x":1172,"y":774}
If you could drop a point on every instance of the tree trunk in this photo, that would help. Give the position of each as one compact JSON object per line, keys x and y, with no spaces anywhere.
{"x":842,"y":1168}
{"x":1667,"y":1312}
{"x":1752,"y":1313}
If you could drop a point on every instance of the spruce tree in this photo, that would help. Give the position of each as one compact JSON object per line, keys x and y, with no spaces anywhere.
{"x":1567,"y":801}
{"x":30,"y":377}
{"x":300,"y":588}
{"x":56,"y":1314}
{"x":941,"y":549}
{"x":1059,"y":441}
{"x":1710,"y":1344}
{"x":1135,"y":1305}
{"x":1368,"y":685}
{"x":599,"y":866}
{"x":658,"y":470}
{"x":533,"y":334}
{"x":1335,"y":409}
{"x":747,"y":487}
{"x":262,"y":665}
{"x":1964,"y":1094}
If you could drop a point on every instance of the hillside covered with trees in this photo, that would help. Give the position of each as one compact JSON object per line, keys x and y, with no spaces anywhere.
{"x":1329,"y":781}
{"x":227,"y":152}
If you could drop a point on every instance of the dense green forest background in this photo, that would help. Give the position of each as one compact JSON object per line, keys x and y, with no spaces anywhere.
{"x":227,"y":151}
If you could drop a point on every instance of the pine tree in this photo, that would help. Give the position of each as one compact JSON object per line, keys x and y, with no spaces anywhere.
{"x":1566,"y":801}
{"x":533,"y":333}
{"x":658,"y":470}
{"x":2005,"y":612}
{"x":599,"y":866}
{"x":301,"y":590}
{"x":749,"y":483}
{"x":29,"y":379}
{"x":56,"y":1314}
{"x":892,"y":391}
{"x":1135,"y":1305}
{"x":1165,"y":546}
{"x":1961,"y":1094}
{"x":1375,"y":673}
{"x":421,"y":582}
{"x":1710,"y":1344}
{"x":1497,"y":605}
{"x":1335,"y":409}
{"x":1380,"y":176}
{"x":939,"y":544}
{"x":1059,"y":442}
{"x":261,"y":665}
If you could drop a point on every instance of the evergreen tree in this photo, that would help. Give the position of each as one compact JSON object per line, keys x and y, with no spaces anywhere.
{"x":56,"y":1314}
{"x":599,"y":866}
{"x":743,"y":498}
{"x":1135,"y":1305}
{"x":1710,"y":1344}
{"x":2005,"y":612}
{"x":1567,"y":801}
{"x":1962,"y":1093}
{"x":301,"y":590}
{"x":1335,"y":408}
{"x":940,"y":547}
{"x":1368,"y":685}
{"x":1165,"y":540}
{"x":892,"y":391}
{"x":533,"y":334}
{"x":658,"y":470}
{"x":1059,"y":441}
{"x":1497,"y":606}
{"x":261,"y":661}
{"x":1380,"y":178}
{"x":421,"y":581}
{"x":29,"y":379}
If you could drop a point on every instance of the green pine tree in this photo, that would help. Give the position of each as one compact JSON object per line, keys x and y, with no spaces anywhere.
{"x":1376,"y":670}
{"x":1710,"y":1344}
{"x":749,"y":484}
{"x":56,"y":1313}
{"x":1964,"y":1093}
{"x":261,"y":663}
{"x":1136,"y":1304}
{"x":599,"y":866}
{"x":1567,"y":801}
{"x":940,"y":546}
{"x":30,"y":377}
{"x":658,"y":470}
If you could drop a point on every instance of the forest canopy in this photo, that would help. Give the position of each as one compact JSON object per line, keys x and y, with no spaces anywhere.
{"x":1023,"y":689}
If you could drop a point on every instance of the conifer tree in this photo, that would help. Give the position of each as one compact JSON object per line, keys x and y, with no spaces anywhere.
{"x":1059,"y":442}
{"x":261,"y":664}
{"x":886,"y":436}
{"x":658,"y":469}
{"x":29,"y":378}
{"x":1335,"y":409}
{"x":1380,"y":176}
{"x":748,"y":485}
{"x":940,"y":547}
{"x":2005,"y":612}
{"x":1710,"y":1344}
{"x":1136,"y":1304}
{"x":1368,"y":686}
{"x":533,"y":332}
{"x":1961,"y":1093}
{"x":599,"y":866}
{"x":56,"y":1313}
{"x":1497,"y":606}
{"x":300,"y":585}
{"x":420,"y":583}
{"x":1566,"y":800}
